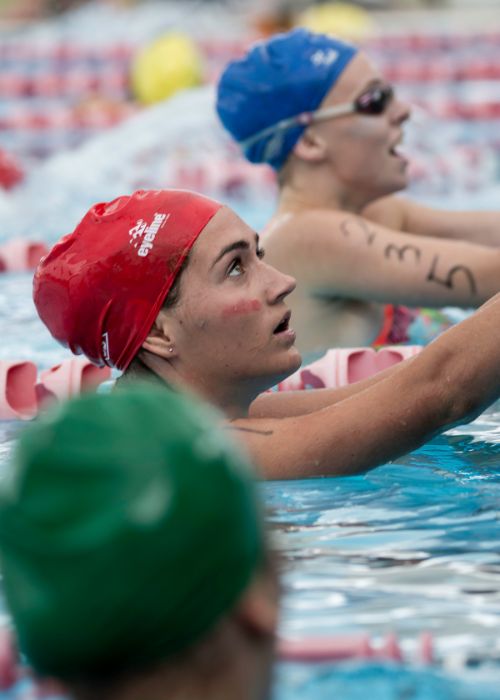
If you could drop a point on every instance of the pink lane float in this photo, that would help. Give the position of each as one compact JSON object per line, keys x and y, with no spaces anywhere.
{"x":69,"y":378}
{"x":343,"y":648}
{"x":23,"y":394}
{"x":347,"y":365}
{"x":19,"y":255}
{"x":11,"y":172}
{"x":17,"y":390}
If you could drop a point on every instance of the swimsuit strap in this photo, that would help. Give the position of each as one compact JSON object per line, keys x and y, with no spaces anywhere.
{"x":383,"y":337}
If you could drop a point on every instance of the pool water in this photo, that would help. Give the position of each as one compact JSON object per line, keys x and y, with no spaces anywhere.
{"x":410,"y":546}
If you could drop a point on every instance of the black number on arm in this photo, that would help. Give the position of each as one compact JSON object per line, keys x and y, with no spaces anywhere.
{"x":265,"y":433}
{"x":350,"y":225}
{"x":448,"y":280}
{"x":401,"y":251}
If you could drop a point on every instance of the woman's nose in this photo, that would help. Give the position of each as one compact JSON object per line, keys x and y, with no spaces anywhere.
{"x":400,"y":111}
{"x":281,"y":285}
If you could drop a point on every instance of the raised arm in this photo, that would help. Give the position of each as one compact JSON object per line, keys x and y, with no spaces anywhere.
{"x":452,"y":380}
{"x":481,"y":227}
{"x":341,"y":254}
{"x":284,"y":404}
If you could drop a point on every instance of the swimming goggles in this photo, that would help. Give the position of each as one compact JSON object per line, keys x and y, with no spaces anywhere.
{"x":372,"y":102}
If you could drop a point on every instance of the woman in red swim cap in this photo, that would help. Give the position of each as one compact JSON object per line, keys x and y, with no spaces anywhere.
{"x":173,"y":285}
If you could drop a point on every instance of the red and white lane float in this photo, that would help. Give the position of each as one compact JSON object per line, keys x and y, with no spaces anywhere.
{"x":23,"y":393}
{"x":19,"y":255}
{"x":343,"y":366}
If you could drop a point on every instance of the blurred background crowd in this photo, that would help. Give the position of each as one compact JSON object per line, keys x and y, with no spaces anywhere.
{"x":22,"y":10}
{"x":30,"y":9}
{"x":80,"y":80}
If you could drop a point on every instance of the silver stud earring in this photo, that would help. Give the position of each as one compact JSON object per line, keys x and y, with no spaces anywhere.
{"x":170,"y":349}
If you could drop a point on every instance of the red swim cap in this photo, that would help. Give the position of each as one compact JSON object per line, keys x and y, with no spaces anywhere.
{"x":100,"y":288}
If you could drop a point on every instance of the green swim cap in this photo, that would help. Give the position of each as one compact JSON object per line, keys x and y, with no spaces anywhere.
{"x":128,"y":527}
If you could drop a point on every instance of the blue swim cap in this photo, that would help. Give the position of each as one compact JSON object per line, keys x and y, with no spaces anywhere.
{"x":280,"y":78}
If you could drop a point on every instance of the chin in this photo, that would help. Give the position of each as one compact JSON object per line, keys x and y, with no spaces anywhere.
{"x":297,"y":360}
{"x":280,"y":371}
{"x":402,"y":184}
{"x":292,"y":364}
{"x":396,"y":185}
{"x":402,"y":180}
{"x":395,"y":182}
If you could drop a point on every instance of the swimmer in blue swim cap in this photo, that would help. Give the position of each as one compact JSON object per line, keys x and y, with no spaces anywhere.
{"x":320,"y":113}
{"x":288,"y":77}
{"x":133,"y":555}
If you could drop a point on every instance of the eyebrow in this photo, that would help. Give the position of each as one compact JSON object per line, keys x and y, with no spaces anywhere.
{"x":236,"y":245}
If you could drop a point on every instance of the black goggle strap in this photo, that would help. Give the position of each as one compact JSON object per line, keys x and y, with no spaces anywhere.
{"x":303,"y":119}
{"x":373,"y":101}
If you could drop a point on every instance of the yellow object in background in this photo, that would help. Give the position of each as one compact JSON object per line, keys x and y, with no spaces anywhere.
{"x":169,"y":64}
{"x":340,"y":19}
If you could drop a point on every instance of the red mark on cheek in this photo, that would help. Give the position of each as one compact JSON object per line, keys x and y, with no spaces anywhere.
{"x":241,"y":308}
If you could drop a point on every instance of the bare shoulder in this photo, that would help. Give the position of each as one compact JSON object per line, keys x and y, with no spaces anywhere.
{"x":300,"y":229}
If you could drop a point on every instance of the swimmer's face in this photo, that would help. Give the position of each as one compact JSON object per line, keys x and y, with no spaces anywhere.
{"x":231,"y":324}
{"x":363,"y":148}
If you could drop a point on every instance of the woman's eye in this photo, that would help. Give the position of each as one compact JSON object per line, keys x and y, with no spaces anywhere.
{"x":235,"y":268}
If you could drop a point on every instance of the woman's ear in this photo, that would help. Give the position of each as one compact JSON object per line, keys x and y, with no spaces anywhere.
{"x":258,"y":609}
{"x":159,"y":340}
{"x":310,"y":147}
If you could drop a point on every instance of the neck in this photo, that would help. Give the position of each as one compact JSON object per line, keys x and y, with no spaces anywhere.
{"x":234,"y":401}
{"x":224,"y":666}
{"x":157,"y":687}
{"x":232,"y":398}
{"x":169,"y":685}
{"x":316,"y":187}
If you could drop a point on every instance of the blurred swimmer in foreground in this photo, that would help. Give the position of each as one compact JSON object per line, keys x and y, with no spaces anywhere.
{"x":317,"y":111}
{"x":173,"y":286}
{"x":115,"y":572}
